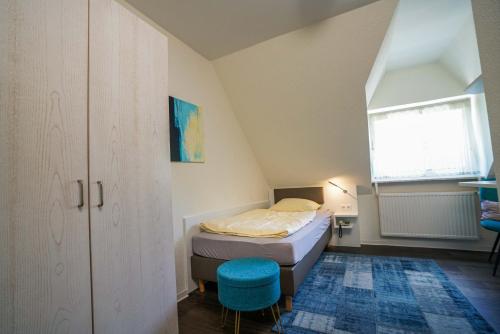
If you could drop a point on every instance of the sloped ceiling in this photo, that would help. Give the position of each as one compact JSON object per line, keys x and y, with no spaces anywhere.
{"x":300,"y":97}
{"x":462,"y":55}
{"x":215,"y":28}
{"x":422,"y":32}
{"x":424,"y":29}
{"x":415,"y":84}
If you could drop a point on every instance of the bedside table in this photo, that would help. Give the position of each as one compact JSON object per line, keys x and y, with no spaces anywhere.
{"x":350,"y":217}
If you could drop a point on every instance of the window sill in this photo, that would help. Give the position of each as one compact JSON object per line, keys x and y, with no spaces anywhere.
{"x":429,"y":179}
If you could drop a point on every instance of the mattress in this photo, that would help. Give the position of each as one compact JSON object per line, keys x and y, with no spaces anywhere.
{"x":285,"y":251}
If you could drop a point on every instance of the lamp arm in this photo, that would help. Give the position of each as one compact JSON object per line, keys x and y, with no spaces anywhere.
{"x":343,"y":190}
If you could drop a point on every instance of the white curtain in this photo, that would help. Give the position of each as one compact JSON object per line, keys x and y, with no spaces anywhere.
{"x":433,"y":141}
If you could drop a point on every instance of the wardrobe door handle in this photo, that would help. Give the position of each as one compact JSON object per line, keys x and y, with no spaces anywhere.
{"x":101,"y":195}
{"x":80,"y":194}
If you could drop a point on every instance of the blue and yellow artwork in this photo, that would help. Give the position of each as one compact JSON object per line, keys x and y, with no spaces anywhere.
{"x":186,"y":131}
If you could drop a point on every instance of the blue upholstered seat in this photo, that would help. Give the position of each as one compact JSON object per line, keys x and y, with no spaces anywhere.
{"x":248,"y":284}
{"x":488,"y":194}
{"x":492,"y":225}
{"x":491,"y":194}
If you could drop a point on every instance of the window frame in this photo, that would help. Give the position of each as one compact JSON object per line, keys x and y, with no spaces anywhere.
{"x":410,"y":106}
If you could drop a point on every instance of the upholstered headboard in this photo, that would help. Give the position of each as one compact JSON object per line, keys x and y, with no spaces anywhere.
{"x":311,"y":193}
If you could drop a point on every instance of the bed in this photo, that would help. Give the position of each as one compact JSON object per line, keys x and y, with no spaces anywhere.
{"x":296,"y":253}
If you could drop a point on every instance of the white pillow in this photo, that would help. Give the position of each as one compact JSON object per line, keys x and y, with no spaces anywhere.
{"x":295,"y":204}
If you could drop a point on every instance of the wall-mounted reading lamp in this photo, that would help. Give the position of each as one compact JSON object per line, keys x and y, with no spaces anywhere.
{"x":343,"y":190}
{"x":336,"y":185}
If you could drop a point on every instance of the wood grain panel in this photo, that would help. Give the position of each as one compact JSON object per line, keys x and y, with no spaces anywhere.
{"x":132,"y":246}
{"x":44,"y":246}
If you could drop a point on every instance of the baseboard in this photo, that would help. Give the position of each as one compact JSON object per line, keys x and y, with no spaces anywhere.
{"x":399,"y":243}
{"x":182,"y":295}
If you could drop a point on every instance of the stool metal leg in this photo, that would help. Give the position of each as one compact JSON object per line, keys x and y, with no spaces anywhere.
{"x":275,"y":320}
{"x":494,"y":247}
{"x":237,"y":318}
{"x":225,"y":312}
{"x":496,"y":264}
{"x":279,"y":318}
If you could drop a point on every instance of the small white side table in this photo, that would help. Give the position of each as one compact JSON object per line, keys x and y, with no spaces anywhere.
{"x":350,"y":216}
{"x":350,"y":236}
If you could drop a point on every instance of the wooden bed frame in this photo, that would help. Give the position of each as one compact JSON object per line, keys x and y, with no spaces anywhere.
{"x":205,"y":269}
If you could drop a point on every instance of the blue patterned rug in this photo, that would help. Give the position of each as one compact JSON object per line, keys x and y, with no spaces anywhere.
{"x":346,"y":293}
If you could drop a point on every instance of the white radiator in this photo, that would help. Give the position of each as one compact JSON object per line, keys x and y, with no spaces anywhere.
{"x":441,"y":215}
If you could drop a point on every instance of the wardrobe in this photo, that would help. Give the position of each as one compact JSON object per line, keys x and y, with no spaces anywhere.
{"x":86,"y":241}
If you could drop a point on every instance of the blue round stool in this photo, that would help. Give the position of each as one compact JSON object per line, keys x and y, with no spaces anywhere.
{"x":249,"y":284}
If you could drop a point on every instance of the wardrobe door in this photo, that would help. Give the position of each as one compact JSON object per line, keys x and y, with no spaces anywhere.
{"x":131,"y":229}
{"x":44,"y":234}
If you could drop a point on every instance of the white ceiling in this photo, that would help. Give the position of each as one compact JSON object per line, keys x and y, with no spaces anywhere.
{"x":215,"y":28}
{"x":423,"y":30}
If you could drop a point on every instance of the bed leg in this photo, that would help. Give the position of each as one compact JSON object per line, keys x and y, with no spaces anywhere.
{"x":201,"y":285}
{"x":288,"y":303}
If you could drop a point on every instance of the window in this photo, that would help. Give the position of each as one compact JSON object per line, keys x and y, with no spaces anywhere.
{"x":421,"y":142}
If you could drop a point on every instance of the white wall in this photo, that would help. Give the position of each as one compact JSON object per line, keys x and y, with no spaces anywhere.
{"x":300,"y":97}
{"x":487,"y":22}
{"x":482,"y":132}
{"x":462,"y":56}
{"x":230,"y":176}
{"x":300,"y":100}
{"x":415,"y":84}
{"x":380,"y":64}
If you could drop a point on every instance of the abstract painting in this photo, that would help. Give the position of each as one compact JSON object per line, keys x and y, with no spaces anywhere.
{"x":186,"y":131}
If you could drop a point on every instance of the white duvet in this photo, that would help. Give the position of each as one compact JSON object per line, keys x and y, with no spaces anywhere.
{"x":260,"y":223}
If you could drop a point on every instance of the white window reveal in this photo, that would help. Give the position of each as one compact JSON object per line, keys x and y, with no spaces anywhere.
{"x":423,"y":142}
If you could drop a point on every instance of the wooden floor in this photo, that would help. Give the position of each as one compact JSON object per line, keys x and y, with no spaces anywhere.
{"x":468,"y":270}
